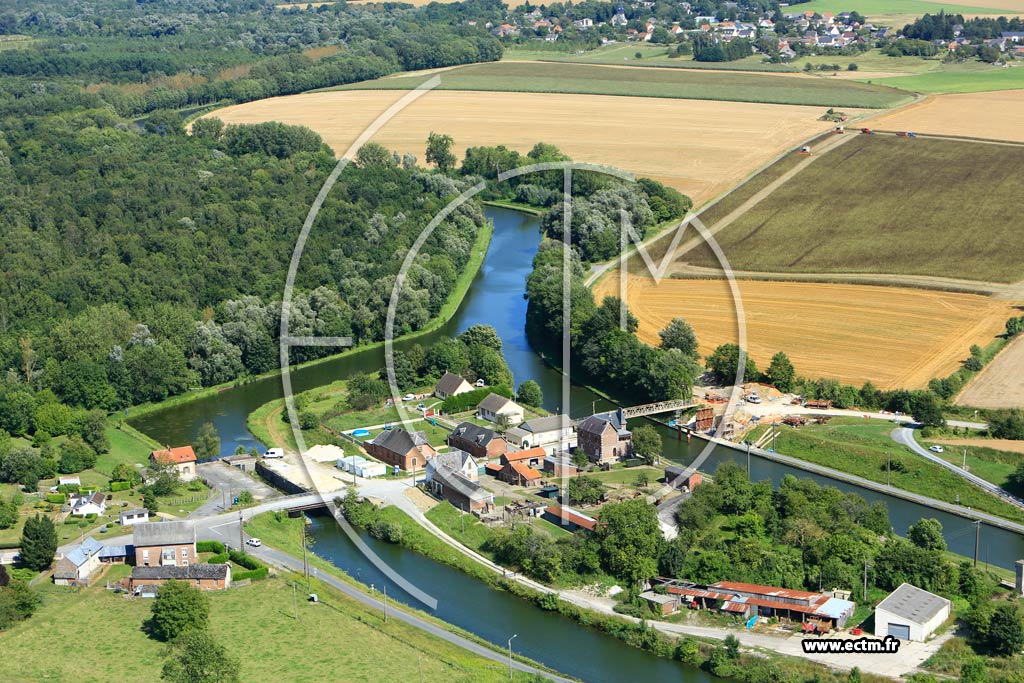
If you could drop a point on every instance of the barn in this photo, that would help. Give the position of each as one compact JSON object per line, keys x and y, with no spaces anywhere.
{"x":910,"y":613}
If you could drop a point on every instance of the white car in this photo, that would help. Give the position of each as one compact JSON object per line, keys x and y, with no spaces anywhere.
{"x":409,"y":397}
{"x":753,"y":398}
{"x":479,"y":383}
{"x":937,"y":449}
{"x":254,"y":542}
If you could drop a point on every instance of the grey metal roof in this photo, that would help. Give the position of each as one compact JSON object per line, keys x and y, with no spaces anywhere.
{"x":913,"y":604}
{"x":116,"y":551}
{"x":494,"y":402}
{"x":449,"y":383}
{"x":399,"y":441}
{"x":80,"y":554}
{"x":192,"y":571}
{"x":547,"y":424}
{"x":456,"y":481}
{"x":164,"y":533}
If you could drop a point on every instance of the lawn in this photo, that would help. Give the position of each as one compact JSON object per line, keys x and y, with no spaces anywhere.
{"x":257,"y":624}
{"x":127,"y":445}
{"x":863,"y":448}
{"x":881,"y":204}
{"x":544,"y":77}
{"x":627,"y":475}
{"x":873,"y":61}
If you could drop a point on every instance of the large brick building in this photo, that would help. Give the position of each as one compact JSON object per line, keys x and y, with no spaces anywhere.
{"x":163,"y":544}
{"x":407,"y":450}
{"x":604,"y":437}
{"x":480,"y":442}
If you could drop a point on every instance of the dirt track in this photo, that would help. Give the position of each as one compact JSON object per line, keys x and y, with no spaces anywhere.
{"x":701,"y":148}
{"x":1001,"y":383}
{"x":892,"y":336}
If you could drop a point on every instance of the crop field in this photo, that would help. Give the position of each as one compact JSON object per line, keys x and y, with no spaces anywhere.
{"x":903,"y":10}
{"x":993,"y":115}
{"x":590,"y":79}
{"x":624,"y":54}
{"x":1000,"y":384}
{"x":943,"y":212}
{"x":895,"y":337}
{"x":701,"y":148}
{"x":966,"y":78}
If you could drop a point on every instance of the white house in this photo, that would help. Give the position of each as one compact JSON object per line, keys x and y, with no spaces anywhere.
{"x":130,"y":516}
{"x":910,"y":613}
{"x":555,"y":431}
{"x":88,"y":504}
{"x":498,"y":409}
{"x":451,"y":385}
{"x":80,"y":562}
{"x":455,"y":460}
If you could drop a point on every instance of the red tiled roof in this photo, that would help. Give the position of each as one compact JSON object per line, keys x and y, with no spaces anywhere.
{"x":493,"y":467}
{"x":525,"y":471}
{"x":528,"y":454}
{"x":578,"y":520}
{"x":174,"y":456}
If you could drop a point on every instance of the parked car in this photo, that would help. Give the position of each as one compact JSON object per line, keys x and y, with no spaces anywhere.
{"x":753,"y":398}
{"x":479,"y":383}
{"x":937,"y":449}
{"x":274,"y":453}
{"x":409,"y":397}
{"x":254,"y":542}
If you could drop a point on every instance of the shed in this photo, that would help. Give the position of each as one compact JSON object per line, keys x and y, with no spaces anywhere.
{"x":910,"y":613}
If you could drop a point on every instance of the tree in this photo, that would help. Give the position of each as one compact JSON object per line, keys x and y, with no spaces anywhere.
{"x":8,"y":514}
{"x":927,"y":534}
{"x":854,"y":676}
{"x":630,"y":540}
{"x":149,"y":501}
{"x":245,"y":498}
{"x":647,"y":442}
{"x":447,"y":355}
{"x":530,"y":394}
{"x":207,"y":444}
{"x":439,"y":152}
{"x":199,"y":658}
{"x":1006,"y":630}
{"x":973,"y":671}
{"x":481,"y":334}
{"x":584,"y":490}
{"x":780,"y":372}
{"x":125,"y":472}
{"x":178,"y":609}
{"x":679,"y":334}
{"x":926,"y":409}
{"x":38,"y":543}
{"x":724,"y":360}
{"x":76,"y":455}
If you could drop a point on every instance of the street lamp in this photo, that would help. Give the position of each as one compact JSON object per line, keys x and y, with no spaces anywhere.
{"x":514,"y":635}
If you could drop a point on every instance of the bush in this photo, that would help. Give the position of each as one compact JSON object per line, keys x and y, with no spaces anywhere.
{"x":56,"y":498}
{"x":210,"y":547}
{"x":386,"y":531}
{"x":244,"y":559}
{"x":220,"y":558}
{"x":71,"y":519}
{"x":120,"y":486}
{"x":252,"y":574}
{"x":469,"y":400}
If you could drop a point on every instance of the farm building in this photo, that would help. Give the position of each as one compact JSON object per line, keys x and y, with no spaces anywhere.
{"x":555,"y":433}
{"x":569,"y":519}
{"x":662,"y":603}
{"x":480,"y":442}
{"x":206,"y":577}
{"x":532,"y":457}
{"x":451,"y":385}
{"x":75,"y":568}
{"x":361,"y":467}
{"x":519,"y":474}
{"x":910,"y":613}
{"x":130,"y":516}
{"x":560,"y":465}
{"x":816,"y":611}
{"x":165,"y":543}
{"x":682,"y":477}
{"x":243,"y":461}
{"x":449,"y":483}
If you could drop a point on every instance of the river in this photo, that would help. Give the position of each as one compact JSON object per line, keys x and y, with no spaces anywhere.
{"x":496,"y":298}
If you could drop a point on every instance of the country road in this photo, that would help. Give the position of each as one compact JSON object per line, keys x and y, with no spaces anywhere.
{"x":905,"y":436}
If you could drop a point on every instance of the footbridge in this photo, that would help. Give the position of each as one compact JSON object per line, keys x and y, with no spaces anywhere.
{"x":660,"y":407}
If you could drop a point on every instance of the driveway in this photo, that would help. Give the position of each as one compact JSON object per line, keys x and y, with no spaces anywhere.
{"x":227,"y":482}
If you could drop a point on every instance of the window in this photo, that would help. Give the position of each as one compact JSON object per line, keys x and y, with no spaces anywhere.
{"x":145,"y":557}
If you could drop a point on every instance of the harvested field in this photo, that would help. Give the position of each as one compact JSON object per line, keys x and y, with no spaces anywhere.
{"x":1001,"y":383}
{"x":998,"y":444}
{"x":994,"y":115}
{"x":590,"y":79}
{"x":895,"y":337}
{"x":881,"y":204}
{"x":702,"y":148}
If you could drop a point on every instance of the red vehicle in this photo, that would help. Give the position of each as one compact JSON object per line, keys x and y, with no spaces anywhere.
{"x":867,"y":131}
{"x":901,"y":134}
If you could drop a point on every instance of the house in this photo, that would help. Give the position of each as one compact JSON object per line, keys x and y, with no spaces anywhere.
{"x":604,"y":437}
{"x":480,"y":442}
{"x":399,"y":448}
{"x":1012,"y":36}
{"x":451,"y":385}
{"x":499,"y":410}
{"x":682,"y":478}
{"x":163,"y":544}
{"x":182,"y":459}
{"x":88,"y":504}
{"x":519,"y":474}
{"x":619,"y":18}
{"x":75,"y":568}
{"x":446,"y":477}
{"x":205,"y":577}
{"x":457,"y":461}
{"x":910,"y":613}
{"x":555,"y":433}
{"x":569,"y":519}
{"x":584,"y":23}
{"x":130,"y":516}
{"x":531,"y":457}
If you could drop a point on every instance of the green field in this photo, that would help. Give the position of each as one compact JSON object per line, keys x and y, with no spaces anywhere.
{"x":960,"y":80}
{"x":863,"y":448}
{"x":584,"y":79}
{"x":988,"y":463}
{"x":874,"y":60}
{"x":882,"y":204}
{"x":651,"y":55}
{"x":256,"y":623}
{"x":876,"y":9}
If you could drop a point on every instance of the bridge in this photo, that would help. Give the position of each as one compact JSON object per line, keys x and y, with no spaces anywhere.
{"x":660,"y":407}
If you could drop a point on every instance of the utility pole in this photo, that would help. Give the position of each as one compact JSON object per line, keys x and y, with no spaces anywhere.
{"x":462,"y":518}
{"x":965,"y":459}
{"x":295,"y":600}
{"x":241,"y":543}
{"x":385,"y":603}
{"x":514,"y":635}
{"x":865,"y":581}
{"x":420,"y":658}
{"x":305,"y":563}
{"x":977,"y":538}
{"x":888,"y":469}
{"x":748,"y":461}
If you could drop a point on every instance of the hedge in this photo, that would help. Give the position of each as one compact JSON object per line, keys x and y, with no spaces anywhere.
{"x":120,"y":485}
{"x":71,"y":519}
{"x":220,"y":558}
{"x":253,"y":574}
{"x":244,"y":559}
{"x":56,"y":498}
{"x":68,"y":488}
{"x":210,"y":547}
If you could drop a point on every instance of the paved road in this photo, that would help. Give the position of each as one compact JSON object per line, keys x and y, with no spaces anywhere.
{"x":904,"y":436}
{"x":779,"y":408}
